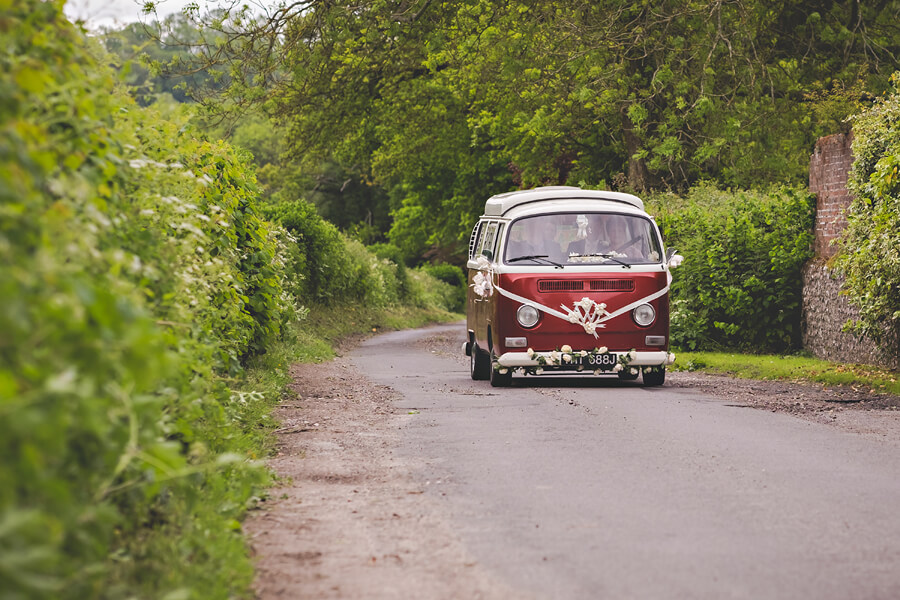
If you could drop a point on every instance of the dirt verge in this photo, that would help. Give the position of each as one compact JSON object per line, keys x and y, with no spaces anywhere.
{"x":854,"y":410}
{"x":348,"y":521}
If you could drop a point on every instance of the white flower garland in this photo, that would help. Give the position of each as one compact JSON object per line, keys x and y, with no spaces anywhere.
{"x":574,"y":257}
{"x":565,"y":355}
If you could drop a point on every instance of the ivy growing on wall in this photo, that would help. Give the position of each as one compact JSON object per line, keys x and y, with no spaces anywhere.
{"x":870,"y":247}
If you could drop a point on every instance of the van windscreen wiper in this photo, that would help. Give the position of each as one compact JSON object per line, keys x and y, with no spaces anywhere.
{"x":536,"y":257}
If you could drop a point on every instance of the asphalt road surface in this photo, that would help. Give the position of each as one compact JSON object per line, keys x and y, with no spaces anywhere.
{"x":595,"y":488}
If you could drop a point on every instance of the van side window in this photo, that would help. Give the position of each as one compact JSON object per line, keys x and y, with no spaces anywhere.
{"x":489,"y":247}
{"x":475,"y":240}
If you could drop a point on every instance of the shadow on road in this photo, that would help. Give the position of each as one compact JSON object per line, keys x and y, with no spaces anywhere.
{"x":577,"y":381}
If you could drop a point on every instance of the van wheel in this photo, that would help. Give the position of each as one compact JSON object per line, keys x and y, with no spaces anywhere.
{"x":499,"y":379}
{"x":479,"y":364}
{"x":655,"y":378}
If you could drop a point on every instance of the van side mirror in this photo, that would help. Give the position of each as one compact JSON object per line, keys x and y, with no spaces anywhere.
{"x":488,"y":254}
{"x":673,"y":259}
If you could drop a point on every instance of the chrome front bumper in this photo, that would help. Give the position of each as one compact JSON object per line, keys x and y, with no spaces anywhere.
{"x":641,"y":359}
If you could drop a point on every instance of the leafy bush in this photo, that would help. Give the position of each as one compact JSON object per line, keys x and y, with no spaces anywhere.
{"x":453,"y":276}
{"x":429,"y":292}
{"x":376,"y":279}
{"x":870,"y":247}
{"x":136,"y":274}
{"x":338,"y":269}
{"x":203,"y":247}
{"x":740,"y":283}
{"x":395,"y":255}
{"x":321,"y":261}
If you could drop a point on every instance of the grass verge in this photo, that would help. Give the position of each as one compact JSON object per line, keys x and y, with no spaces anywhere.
{"x":791,"y":368}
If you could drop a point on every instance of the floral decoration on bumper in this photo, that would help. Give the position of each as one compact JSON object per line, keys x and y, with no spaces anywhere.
{"x":565,"y":356}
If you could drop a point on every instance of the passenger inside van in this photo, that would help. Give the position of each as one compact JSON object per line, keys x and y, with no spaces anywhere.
{"x":621,"y":240}
{"x":591,"y":237}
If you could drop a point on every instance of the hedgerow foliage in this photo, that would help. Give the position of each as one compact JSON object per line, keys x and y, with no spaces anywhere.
{"x":334,"y":268}
{"x":740,"y":283}
{"x":870,"y":247}
{"x":453,"y":276}
{"x":137,"y":275}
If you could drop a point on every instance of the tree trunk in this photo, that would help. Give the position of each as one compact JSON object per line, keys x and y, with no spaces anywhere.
{"x":636,"y":170}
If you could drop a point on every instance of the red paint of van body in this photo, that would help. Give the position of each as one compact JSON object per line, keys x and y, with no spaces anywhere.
{"x":497,"y":313}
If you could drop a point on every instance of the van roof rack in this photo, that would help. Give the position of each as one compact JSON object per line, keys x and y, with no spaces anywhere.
{"x":500,"y":204}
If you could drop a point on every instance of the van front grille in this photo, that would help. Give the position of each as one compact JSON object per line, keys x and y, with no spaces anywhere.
{"x":560,"y":285}
{"x":612,"y":285}
{"x":595,"y":285}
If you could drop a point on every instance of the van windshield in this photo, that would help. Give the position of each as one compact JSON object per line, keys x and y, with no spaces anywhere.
{"x":583,"y":238}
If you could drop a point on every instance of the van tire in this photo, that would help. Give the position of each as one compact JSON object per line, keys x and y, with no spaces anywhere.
{"x":654,"y":378}
{"x":479,"y":364}
{"x":500,"y":379}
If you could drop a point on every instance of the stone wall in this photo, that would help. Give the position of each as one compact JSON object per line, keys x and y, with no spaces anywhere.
{"x":825,"y":310}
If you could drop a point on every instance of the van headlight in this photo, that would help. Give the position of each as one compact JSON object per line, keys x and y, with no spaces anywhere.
{"x":527,"y":315}
{"x":643,"y":315}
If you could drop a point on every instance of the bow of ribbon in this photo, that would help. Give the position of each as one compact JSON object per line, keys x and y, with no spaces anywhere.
{"x":582,"y":222}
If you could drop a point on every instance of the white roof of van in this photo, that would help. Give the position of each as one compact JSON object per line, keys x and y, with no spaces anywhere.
{"x":499,"y":205}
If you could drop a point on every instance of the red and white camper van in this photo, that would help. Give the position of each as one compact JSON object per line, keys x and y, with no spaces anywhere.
{"x":566,"y":280}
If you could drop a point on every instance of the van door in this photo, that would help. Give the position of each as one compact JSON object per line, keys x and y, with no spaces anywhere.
{"x":480,"y":307}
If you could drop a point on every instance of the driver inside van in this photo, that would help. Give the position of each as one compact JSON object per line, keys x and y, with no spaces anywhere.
{"x":534,"y":236}
{"x":620,"y":240}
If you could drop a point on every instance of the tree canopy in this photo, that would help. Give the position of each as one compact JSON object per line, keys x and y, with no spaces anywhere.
{"x":437,"y":104}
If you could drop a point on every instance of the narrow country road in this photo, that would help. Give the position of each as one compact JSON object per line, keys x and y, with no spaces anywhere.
{"x":592,"y":488}
{"x":403,"y":478}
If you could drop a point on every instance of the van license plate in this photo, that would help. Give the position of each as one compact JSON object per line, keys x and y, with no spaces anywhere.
{"x":604,"y":362}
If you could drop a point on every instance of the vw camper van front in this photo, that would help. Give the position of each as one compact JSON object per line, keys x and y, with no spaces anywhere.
{"x":564,"y":280}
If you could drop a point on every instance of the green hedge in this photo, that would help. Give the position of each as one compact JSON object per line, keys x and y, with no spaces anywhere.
{"x":393,"y":254}
{"x":333,"y":268}
{"x":454,"y":277}
{"x":137,"y":277}
{"x":870,"y":247}
{"x":740,"y":283}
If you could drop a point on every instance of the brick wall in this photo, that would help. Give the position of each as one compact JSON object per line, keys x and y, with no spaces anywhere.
{"x":828,"y":168}
{"x":825,"y":310}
